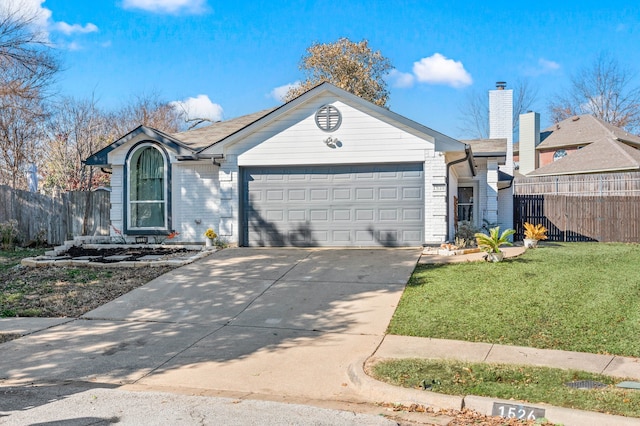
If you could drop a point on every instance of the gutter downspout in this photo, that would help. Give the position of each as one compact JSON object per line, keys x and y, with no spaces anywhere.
{"x":469,"y":158}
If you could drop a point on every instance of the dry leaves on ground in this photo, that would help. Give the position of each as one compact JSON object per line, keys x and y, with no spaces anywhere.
{"x":67,"y":291}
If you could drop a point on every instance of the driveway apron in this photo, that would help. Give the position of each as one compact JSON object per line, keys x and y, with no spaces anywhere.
{"x":285,"y":322}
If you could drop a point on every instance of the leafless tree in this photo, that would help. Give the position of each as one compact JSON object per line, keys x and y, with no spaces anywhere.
{"x":352,"y":66}
{"x":149,"y":110}
{"x":27,"y":63}
{"x":75,"y":130}
{"x":606,"y":89}
{"x":21,"y":135}
{"x":474,"y":111}
{"x":27,"y":71}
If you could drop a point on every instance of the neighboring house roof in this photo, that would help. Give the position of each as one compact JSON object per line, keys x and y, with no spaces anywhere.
{"x":210,"y":140}
{"x":582,"y":130}
{"x":606,"y":155}
{"x":605,"y":148}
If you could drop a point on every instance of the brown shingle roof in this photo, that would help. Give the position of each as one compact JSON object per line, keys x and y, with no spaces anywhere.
{"x":606,"y":148}
{"x":582,"y":130}
{"x":203,"y":137}
{"x":606,"y":155}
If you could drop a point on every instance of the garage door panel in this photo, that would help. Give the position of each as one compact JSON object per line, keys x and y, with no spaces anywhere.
{"x":364,"y":194}
{"x":361,"y":205}
{"x":341,"y":194}
{"x":414,"y":193}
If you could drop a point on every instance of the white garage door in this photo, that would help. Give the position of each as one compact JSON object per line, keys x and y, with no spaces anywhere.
{"x":359,"y":205}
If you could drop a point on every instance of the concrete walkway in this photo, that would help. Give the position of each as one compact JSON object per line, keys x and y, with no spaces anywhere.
{"x":293,"y":325}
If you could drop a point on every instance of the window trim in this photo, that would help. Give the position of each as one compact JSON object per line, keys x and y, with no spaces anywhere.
{"x":128,"y":229}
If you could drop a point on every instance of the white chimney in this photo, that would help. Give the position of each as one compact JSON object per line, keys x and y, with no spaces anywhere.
{"x":501,"y":119}
{"x":529,"y":140}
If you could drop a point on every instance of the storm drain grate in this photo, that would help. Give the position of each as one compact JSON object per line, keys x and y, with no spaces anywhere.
{"x":586,"y":384}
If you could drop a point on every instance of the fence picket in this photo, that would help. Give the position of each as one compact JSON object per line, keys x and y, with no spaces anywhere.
{"x":60,"y":216}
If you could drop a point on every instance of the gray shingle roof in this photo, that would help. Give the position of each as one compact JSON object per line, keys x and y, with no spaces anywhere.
{"x":487,"y":147}
{"x":203,"y":137}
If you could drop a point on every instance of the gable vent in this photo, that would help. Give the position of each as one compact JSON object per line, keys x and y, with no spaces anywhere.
{"x":328,"y":118}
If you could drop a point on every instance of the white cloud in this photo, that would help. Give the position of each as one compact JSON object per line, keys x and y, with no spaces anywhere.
{"x":67,"y":29}
{"x":280,"y":92}
{"x":42,"y":18}
{"x":544,"y":66}
{"x":547,"y":65}
{"x":401,"y":79}
{"x":166,"y":6}
{"x":30,"y":9}
{"x":199,"y":107}
{"x":437,"y":69}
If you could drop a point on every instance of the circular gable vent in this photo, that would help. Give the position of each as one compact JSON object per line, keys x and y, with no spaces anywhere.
{"x":328,"y":118}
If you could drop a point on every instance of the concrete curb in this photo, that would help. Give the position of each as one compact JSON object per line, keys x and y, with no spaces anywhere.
{"x":565,"y":416}
{"x":374,"y":390}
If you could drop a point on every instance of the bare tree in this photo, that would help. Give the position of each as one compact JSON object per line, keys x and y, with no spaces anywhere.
{"x":27,"y":63}
{"x":474,"y":111}
{"x":27,"y":70}
{"x":147,"y":109}
{"x":21,"y":134}
{"x":351,"y":66}
{"x":75,"y":130}
{"x":605,"y":89}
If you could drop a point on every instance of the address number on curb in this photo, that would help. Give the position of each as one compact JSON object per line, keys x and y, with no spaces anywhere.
{"x":513,"y":411}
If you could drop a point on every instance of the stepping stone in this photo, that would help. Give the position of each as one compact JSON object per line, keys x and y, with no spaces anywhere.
{"x":151,"y":257}
{"x":86,"y":257}
{"x":118,"y":258}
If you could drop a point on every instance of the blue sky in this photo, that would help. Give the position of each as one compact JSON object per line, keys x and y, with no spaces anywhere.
{"x":230,"y":58}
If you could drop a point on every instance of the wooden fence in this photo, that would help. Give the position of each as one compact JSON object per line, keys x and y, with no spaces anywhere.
{"x":596,"y":184}
{"x":580,"y":217}
{"x":57,"y":218}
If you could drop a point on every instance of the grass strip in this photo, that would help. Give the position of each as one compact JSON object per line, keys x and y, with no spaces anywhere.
{"x":522,"y":383}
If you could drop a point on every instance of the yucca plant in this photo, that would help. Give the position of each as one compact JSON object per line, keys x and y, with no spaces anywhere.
{"x":491,"y":243}
{"x":535,"y":232}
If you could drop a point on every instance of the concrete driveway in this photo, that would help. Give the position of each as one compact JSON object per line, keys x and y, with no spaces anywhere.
{"x":277,"y":322}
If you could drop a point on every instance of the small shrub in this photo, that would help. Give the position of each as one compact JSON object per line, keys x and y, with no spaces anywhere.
{"x":9,"y":234}
{"x":465,"y":234}
{"x":535,"y":232}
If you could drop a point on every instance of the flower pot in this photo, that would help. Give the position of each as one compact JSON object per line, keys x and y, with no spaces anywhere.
{"x":208,"y":242}
{"x":495,"y":257}
{"x":530,"y":243}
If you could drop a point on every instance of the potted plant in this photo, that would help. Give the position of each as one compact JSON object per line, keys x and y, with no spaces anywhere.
{"x":210,"y":236}
{"x":533,"y":234}
{"x":491,"y":243}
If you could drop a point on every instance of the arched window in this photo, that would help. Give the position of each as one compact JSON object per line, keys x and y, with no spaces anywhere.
{"x":561,"y":153}
{"x":147,"y":189}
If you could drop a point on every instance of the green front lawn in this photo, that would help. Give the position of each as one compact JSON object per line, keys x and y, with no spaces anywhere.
{"x":570,"y":296}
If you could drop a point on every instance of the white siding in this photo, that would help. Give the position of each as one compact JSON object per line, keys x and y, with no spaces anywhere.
{"x":295,"y":140}
{"x":491,"y":212}
{"x":435,"y":169}
{"x":195,"y":200}
{"x":505,"y":208}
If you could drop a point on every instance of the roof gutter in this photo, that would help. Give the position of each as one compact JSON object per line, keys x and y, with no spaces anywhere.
{"x":468,"y":157}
